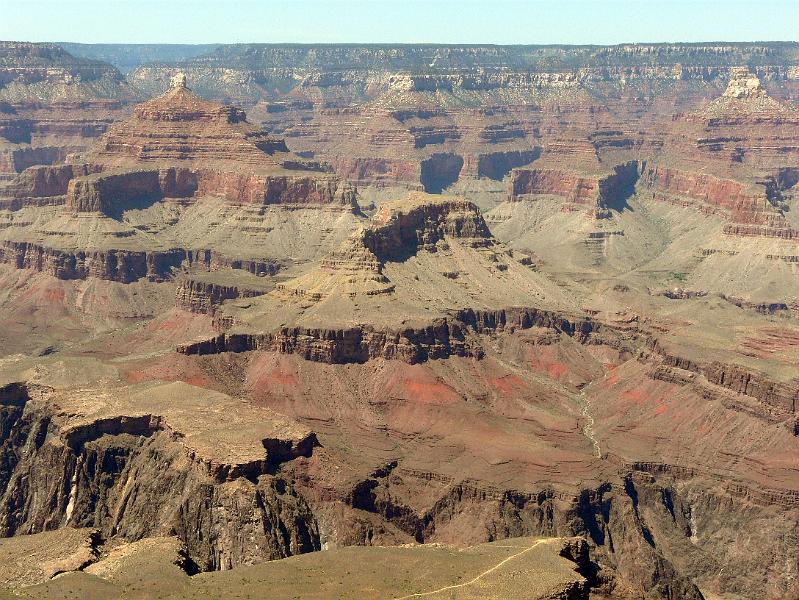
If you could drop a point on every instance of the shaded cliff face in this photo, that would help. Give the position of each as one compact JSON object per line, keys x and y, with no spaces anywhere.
{"x":109,"y":461}
{"x":404,"y":227}
{"x":111,"y":193}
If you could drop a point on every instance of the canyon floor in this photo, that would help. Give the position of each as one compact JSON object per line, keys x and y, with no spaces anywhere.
{"x":487,"y":330}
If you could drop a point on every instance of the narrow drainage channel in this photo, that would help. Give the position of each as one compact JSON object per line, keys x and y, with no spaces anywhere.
{"x":588,"y":426}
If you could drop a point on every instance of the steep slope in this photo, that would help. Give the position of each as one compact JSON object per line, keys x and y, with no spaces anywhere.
{"x":180,"y":182}
{"x":421,"y":261}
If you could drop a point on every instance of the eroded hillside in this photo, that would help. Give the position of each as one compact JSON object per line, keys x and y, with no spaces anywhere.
{"x":451,"y":306}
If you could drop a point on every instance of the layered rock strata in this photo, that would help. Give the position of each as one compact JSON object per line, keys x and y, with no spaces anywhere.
{"x":113,"y":476}
{"x":199,"y":296}
{"x":599,"y":193}
{"x":46,"y":72}
{"x":124,"y":266}
{"x":442,"y":339}
{"x":749,"y":209}
{"x":111,"y":192}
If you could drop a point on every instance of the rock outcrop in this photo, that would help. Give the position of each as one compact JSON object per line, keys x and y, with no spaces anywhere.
{"x":412,"y":114}
{"x":40,"y":186}
{"x":596,"y":194}
{"x":403,"y":227}
{"x":776,"y":396}
{"x":442,"y":339}
{"x":199,"y":296}
{"x":111,"y":192}
{"x":124,"y":266}
{"x":180,"y":125}
{"x":133,"y":475}
{"x":745,"y":98}
{"x":176,"y":149}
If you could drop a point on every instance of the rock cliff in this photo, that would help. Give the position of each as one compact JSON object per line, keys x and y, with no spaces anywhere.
{"x":598,"y":193}
{"x":46,"y":72}
{"x":112,"y":192}
{"x":113,"y":477}
{"x":420,"y":222}
{"x":442,"y":339}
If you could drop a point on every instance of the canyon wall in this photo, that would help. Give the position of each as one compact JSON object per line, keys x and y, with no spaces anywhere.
{"x":112,"y":192}
{"x":252,"y":71}
{"x":203,"y":297}
{"x":46,"y":72}
{"x":124,"y":266}
{"x":601,"y":192}
{"x":745,"y":204}
{"x":442,"y":339}
{"x":397,"y":229}
{"x":130,"y":477}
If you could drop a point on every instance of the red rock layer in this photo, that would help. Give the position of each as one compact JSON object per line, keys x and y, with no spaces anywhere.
{"x":749,"y":209}
{"x":181,"y":126}
{"x":112,"y":191}
{"x":600,"y":192}
{"x":40,"y":185}
{"x":572,"y":187}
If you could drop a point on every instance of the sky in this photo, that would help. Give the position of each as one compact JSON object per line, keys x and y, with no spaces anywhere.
{"x":398,"y":21}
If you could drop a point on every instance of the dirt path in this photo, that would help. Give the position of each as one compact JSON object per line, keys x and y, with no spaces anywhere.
{"x":476,"y":579}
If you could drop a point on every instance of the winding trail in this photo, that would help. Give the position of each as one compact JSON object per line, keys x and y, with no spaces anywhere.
{"x":480,"y":576}
{"x":588,"y":428}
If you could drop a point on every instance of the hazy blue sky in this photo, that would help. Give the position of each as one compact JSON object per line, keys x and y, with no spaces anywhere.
{"x":445,"y":21}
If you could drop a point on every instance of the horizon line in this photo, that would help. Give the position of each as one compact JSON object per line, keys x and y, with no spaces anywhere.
{"x":438,"y":44}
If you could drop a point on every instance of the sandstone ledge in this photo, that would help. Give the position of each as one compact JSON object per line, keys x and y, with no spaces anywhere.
{"x":453,"y":336}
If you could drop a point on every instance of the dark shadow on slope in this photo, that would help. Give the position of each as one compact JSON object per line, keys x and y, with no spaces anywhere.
{"x":117,"y":211}
{"x":616,"y":189}
{"x":497,"y":165}
{"x":440,"y":171}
